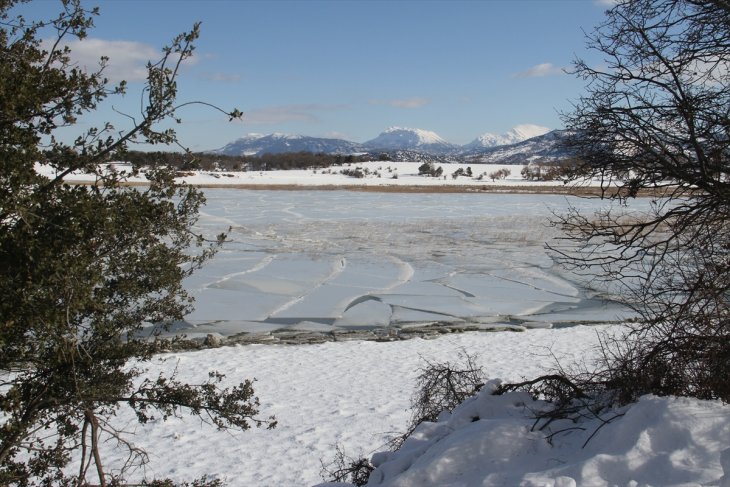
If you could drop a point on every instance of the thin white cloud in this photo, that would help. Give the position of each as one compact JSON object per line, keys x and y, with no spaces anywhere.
{"x":407,"y":103}
{"x":127,"y":59}
{"x":288,"y":113}
{"x":540,"y":71}
{"x":274,"y":115}
{"x":605,"y":3}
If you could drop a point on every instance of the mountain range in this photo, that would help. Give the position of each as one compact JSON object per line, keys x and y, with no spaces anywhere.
{"x":515,"y":135}
{"x":546,"y":147}
{"x":523,"y":142}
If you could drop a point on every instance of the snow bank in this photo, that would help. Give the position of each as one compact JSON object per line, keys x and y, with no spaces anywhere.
{"x":494,"y":441}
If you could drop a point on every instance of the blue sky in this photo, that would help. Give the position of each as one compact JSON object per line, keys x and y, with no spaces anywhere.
{"x":349,"y":68}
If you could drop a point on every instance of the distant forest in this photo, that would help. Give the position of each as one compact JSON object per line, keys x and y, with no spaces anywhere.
{"x":265,"y":162}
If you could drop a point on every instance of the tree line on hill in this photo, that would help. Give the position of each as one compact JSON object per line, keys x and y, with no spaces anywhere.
{"x":207,"y":161}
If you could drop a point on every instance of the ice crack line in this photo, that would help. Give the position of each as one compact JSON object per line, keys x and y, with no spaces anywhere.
{"x":337,"y":269}
{"x":289,"y":211}
{"x":530,"y":285}
{"x":259,"y":265}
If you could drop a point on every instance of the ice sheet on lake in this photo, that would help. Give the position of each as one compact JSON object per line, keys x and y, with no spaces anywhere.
{"x":341,"y":259}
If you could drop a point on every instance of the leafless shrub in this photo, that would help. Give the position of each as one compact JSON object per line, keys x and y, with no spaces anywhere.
{"x":441,"y":387}
{"x":346,"y":469}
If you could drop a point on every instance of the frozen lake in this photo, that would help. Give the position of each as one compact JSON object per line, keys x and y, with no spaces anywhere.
{"x":327,"y":260}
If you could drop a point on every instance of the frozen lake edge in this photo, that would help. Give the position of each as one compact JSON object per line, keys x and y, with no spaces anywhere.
{"x":379,"y":334}
{"x":316,"y":266}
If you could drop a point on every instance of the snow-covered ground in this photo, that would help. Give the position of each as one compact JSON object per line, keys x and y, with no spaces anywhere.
{"x":378,"y":173}
{"x":311,"y":258}
{"x":356,"y":395}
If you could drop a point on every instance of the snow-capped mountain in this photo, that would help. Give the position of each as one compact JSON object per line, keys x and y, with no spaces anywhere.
{"x":513,"y":136}
{"x":257,"y":144}
{"x":400,"y":138}
{"x":522,"y":143}
{"x":544,"y":147}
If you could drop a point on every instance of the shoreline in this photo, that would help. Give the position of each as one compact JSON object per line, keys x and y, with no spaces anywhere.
{"x":585,"y":191}
{"x":402,"y":188}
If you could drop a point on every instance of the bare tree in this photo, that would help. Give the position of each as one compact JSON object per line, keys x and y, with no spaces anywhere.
{"x":656,"y":118}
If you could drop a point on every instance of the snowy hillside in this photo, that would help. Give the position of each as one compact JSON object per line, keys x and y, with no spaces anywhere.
{"x":396,"y":138}
{"x":515,"y":135}
{"x":258,"y":144}
{"x":544,"y":147}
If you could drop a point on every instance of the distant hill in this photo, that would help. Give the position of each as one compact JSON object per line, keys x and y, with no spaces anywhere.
{"x":258,"y":144}
{"x":515,"y":135}
{"x":399,"y":138}
{"x":545,"y":147}
{"x":521,"y":144}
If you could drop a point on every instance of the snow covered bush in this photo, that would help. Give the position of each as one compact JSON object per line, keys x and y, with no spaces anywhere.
{"x":495,"y":440}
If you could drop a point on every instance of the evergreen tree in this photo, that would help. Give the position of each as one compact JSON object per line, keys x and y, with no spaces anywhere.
{"x":84,"y":268}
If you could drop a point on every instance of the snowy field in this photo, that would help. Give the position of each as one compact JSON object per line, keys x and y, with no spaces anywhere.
{"x":355,"y":394}
{"x":377,"y":173}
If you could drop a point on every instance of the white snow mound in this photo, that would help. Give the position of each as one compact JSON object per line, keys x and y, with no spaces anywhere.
{"x":493,"y":441}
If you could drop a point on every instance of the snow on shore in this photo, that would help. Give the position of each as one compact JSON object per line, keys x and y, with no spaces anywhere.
{"x":376,"y":174}
{"x":356,"y":395}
